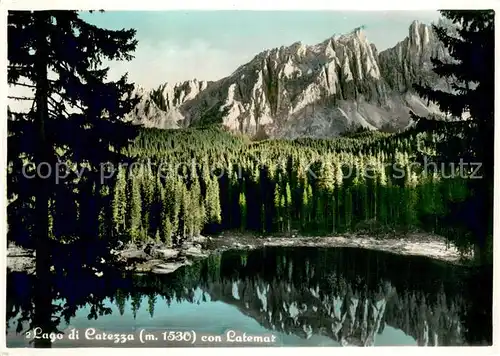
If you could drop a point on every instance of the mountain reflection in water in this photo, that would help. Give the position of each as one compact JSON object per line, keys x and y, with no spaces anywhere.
{"x":304,"y":296}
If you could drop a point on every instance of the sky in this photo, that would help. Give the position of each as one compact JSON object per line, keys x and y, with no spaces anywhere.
{"x":208,"y":45}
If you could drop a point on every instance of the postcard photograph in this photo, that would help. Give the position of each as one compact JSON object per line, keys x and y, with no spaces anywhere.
{"x":181,"y":179}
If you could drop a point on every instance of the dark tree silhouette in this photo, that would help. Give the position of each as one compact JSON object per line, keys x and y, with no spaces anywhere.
{"x":471,"y":45}
{"x":76,"y":118}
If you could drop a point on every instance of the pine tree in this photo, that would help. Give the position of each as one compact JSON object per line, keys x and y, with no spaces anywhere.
{"x":119,"y":201}
{"x":277,"y":206}
{"x":327,"y":187}
{"x":212,"y":204}
{"x":305,"y":206}
{"x":134,"y":223}
{"x":166,"y":226}
{"x":289,"y":206}
{"x":185,"y":212}
{"x":382,"y":213}
{"x":471,"y":44}
{"x":310,"y":204}
{"x":120,"y":300}
{"x":136,"y":303}
{"x":151,"y":305}
{"x":243,"y":210}
{"x":348,"y":208}
{"x":75,"y":117}
{"x":339,"y":177}
{"x":147,"y":186}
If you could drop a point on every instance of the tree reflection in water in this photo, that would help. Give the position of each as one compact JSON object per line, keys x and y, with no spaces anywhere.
{"x":349,"y":295}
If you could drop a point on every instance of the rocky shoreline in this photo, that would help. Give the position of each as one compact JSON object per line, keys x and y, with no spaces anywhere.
{"x":159,"y":259}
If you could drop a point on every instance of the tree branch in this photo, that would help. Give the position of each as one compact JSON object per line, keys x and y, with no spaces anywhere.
{"x":20,"y":98}
{"x":23,"y":85}
{"x":54,"y":109}
{"x":57,"y":106}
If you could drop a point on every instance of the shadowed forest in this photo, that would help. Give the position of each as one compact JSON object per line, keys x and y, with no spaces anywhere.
{"x":312,"y":186}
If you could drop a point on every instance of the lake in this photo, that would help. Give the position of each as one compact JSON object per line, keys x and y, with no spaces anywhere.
{"x":281,"y":296}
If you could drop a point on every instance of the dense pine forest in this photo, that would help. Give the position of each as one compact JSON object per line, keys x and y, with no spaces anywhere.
{"x":181,"y":183}
{"x":187,"y":182}
{"x":202,"y":181}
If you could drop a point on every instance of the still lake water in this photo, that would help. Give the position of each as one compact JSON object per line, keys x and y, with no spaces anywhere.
{"x":302,"y":296}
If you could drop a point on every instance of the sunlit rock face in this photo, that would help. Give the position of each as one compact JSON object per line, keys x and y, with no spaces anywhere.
{"x":409,"y":61}
{"x":150,"y":113}
{"x":310,"y":90}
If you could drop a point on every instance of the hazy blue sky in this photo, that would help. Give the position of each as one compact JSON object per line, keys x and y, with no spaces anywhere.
{"x":180,"y":45}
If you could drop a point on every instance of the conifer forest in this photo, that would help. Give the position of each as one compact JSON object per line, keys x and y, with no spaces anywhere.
{"x":206,"y":180}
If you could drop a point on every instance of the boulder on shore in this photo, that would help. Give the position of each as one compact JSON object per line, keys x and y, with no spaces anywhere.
{"x":166,"y":268}
{"x":163,"y":253}
{"x":194,"y":251}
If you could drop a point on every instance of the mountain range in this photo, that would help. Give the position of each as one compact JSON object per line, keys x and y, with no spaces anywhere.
{"x":302,"y":90}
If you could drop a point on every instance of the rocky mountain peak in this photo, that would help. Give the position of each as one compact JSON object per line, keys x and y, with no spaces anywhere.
{"x":420,"y":35}
{"x":409,"y":61}
{"x":358,"y":34}
{"x":308,"y":90}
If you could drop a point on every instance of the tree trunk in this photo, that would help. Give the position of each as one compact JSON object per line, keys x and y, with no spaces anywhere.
{"x":43,"y":301}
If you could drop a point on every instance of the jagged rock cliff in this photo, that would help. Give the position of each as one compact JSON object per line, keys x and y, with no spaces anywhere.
{"x":160,"y":107}
{"x":301,"y":90}
{"x":409,"y":61}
